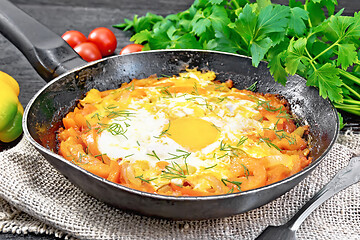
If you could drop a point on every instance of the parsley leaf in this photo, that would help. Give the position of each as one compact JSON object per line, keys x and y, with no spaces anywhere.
{"x":297,"y":18}
{"x":304,"y":38}
{"x":295,"y":56}
{"x":347,"y":55}
{"x":327,"y":79}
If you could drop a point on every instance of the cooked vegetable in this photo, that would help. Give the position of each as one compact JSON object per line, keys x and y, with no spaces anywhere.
{"x":201,"y":136}
{"x":303,"y":38}
{"x":11,"y":110}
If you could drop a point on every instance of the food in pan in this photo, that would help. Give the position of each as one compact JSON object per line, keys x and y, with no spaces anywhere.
{"x":186,"y":135}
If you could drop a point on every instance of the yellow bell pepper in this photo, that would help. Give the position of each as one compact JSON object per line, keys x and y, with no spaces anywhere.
{"x":11,"y":110}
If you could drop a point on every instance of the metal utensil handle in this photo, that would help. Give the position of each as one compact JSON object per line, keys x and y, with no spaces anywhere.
{"x":47,"y":52}
{"x":343,"y":179}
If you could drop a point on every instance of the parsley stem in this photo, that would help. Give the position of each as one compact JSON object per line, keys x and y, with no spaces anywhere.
{"x":236,"y":4}
{"x":307,"y":52}
{"x":323,"y":52}
{"x":348,"y":108}
{"x":351,"y":90}
{"x":349,"y":76}
{"x":351,"y":101}
{"x":305,"y":8}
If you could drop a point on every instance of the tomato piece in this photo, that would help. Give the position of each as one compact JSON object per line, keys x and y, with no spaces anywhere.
{"x":88,"y":51}
{"x":74,"y":38}
{"x":104,"y":39}
{"x":131,"y":48}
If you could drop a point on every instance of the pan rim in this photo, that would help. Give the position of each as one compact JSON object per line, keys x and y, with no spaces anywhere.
{"x":38,"y":146}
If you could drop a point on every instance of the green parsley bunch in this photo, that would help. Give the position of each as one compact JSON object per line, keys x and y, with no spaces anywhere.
{"x":308,"y":39}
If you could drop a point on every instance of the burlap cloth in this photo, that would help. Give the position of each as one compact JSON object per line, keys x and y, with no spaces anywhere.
{"x":36,"y":198}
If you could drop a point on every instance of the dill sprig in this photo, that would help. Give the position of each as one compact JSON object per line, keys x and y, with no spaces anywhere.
{"x":283,"y":135}
{"x":267,"y":106}
{"x":268,"y":142}
{"x":129,"y":155}
{"x":119,"y":113}
{"x":141,"y":177}
{"x":97,"y":115}
{"x":221,"y":99}
{"x":131,"y":87}
{"x":234,"y":151}
{"x":242,"y":140}
{"x":101,"y":156}
{"x":172,"y":172}
{"x":113,"y":128}
{"x":252,"y":87}
{"x":216,"y":127}
{"x":167,"y":76}
{"x":195,"y":91}
{"x":220,"y":87}
{"x":211,"y":166}
{"x":182,"y":154}
{"x":237,"y":183}
{"x":206,"y":104}
{"x":165,"y":91}
{"x":284,"y":114}
{"x":153,"y":155}
{"x":246,"y":171}
{"x":165,"y":131}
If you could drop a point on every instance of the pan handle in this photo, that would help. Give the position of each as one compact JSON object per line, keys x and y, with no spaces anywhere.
{"x":47,"y":52}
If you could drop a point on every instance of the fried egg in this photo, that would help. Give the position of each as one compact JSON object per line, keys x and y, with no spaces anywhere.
{"x":188,"y":130}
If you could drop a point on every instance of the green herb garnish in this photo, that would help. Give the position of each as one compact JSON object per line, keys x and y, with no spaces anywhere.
{"x":238,"y":184}
{"x":303,"y":37}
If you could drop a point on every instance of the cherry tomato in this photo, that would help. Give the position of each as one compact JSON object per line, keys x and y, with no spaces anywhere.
{"x":88,"y":51}
{"x":104,"y":39}
{"x":74,"y":38}
{"x":131,"y":48}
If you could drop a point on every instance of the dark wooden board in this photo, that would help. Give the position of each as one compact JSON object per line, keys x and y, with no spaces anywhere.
{"x":85,"y":15}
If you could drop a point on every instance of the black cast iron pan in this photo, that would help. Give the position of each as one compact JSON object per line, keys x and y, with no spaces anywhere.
{"x":53,"y":58}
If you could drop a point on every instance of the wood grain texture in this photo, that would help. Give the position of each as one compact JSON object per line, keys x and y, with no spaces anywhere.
{"x":85,"y":15}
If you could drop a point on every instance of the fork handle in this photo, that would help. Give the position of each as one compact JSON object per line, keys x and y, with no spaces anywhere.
{"x":343,"y":179}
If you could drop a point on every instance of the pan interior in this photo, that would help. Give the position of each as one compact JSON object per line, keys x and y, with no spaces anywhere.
{"x":57,"y":98}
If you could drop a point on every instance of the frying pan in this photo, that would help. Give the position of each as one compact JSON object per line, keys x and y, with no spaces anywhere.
{"x":56,"y":61}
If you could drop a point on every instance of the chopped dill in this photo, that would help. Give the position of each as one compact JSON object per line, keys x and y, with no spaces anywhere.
{"x":241,"y":141}
{"x":97,"y":115}
{"x":131,"y":87}
{"x":172,"y":172}
{"x":216,"y":127}
{"x":268,"y":142}
{"x":246,"y":171}
{"x":237,"y":183}
{"x":165,"y":131}
{"x":120,"y":113}
{"x":226,"y":154}
{"x":195,"y":91}
{"x":211,"y":166}
{"x":141,"y":177}
{"x":221,"y":99}
{"x":252,"y":87}
{"x":164,"y":75}
{"x":113,"y":128}
{"x":182,"y":154}
{"x":165,"y":91}
{"x":129,"y":155}
{"x":153,"y":155}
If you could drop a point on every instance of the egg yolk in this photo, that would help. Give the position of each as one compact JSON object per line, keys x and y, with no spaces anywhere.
{"x":193,"y":133}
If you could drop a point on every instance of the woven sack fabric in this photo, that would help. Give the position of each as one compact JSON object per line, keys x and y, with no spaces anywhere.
{"x":34,"y":197}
